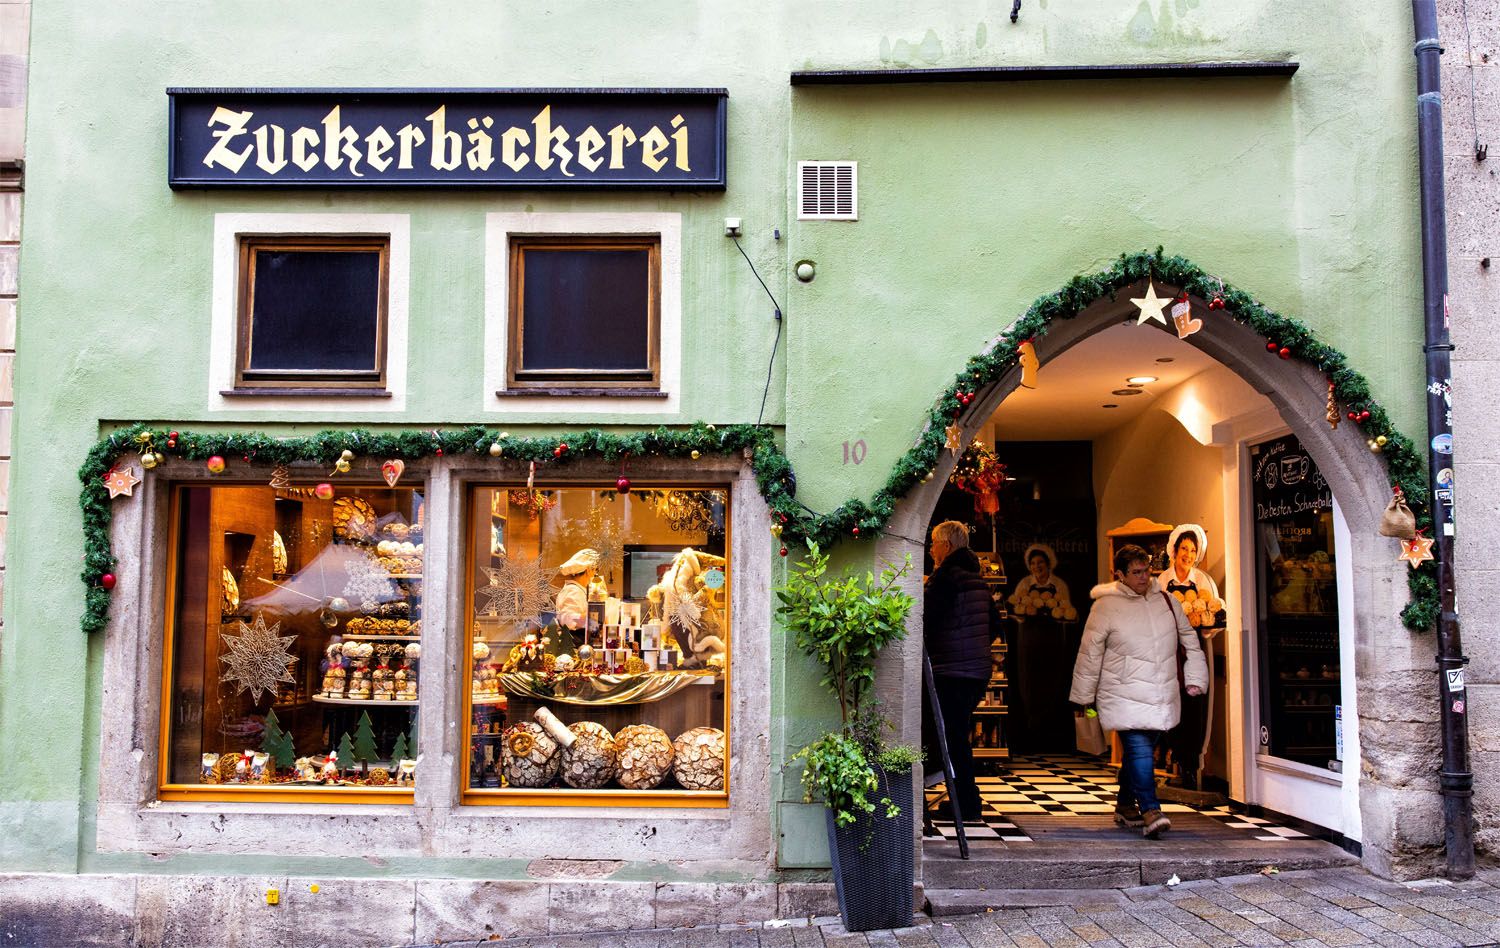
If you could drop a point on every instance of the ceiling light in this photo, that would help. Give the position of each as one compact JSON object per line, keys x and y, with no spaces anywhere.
{"x":1126,"y":391}
{"x":1109,"y":406}
{"x":1166,"y":359}
{"x":1141,"y":379}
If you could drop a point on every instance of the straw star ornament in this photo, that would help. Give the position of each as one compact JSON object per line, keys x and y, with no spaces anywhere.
{"x":258,"y":658}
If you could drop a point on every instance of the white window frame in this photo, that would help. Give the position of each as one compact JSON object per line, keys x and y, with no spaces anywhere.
{"x":228,"y":229}
{"x":498,"y":228}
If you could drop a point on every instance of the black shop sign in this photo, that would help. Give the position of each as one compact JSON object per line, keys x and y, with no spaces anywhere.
{"x":519,"y":138}
{"x":1287,"y":482}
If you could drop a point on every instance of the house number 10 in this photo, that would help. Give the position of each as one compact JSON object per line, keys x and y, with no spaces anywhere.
{"x":855,"y":452}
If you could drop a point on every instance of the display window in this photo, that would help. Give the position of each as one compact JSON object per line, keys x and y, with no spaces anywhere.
{"x":599,"y":648}
{"x":1300,"y":666}
{"x":294,"y":641}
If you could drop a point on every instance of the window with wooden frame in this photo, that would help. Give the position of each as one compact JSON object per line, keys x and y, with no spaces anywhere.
{"x":585,"y":314}
{"x":312,"y":314}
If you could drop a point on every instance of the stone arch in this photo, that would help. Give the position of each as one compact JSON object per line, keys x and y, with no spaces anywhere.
{"x":1361,"y":484}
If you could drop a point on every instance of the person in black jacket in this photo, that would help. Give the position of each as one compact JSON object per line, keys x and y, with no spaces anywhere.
{"x":959,"y":621}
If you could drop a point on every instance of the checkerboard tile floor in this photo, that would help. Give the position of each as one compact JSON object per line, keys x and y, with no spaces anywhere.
{"x":1058,"y":785}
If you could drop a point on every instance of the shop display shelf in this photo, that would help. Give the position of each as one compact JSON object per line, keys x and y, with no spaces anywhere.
{"x":488,"y":699}
{"x":992,"y":752}
{"x":380,"y":637}
{"x":405,"y":703}
{"x":403,"y":576}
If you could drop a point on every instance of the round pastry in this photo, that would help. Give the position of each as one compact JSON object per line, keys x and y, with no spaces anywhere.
{"x":529,"y":755}
{"x":353,"y":517}
{"x":698,"y":759}
{"x":592,"y":760}
{"x":645,"y":756}
{"x":413,"y":651}
{"x":379,"y":777}
{"x":481,"y":650}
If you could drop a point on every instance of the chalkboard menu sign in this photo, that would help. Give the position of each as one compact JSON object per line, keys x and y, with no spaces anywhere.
{"x":1286,"y":481}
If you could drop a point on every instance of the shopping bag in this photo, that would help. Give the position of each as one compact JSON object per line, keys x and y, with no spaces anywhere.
{"x":1088,"y":733}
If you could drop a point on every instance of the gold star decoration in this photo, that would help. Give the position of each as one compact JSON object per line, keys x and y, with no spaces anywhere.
{"x":955,"y":438}
{"x":518,"y":589}
{"x":1151,"y":305}
{"x":258,"y":658}
{"x":601,"y":530}
{"x":120,"y":480}
{"x":1416,"y":551}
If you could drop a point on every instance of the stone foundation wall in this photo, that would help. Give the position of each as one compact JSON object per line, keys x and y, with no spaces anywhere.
{"x":174,"y":911}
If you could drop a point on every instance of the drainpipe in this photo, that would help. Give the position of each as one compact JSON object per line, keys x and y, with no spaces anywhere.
{"x":1456,"y":780}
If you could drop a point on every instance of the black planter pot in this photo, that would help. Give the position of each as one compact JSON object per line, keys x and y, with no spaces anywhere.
{"x":873,"y":860}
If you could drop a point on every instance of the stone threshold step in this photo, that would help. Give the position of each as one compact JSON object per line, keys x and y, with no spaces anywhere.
{"x":1011,"y":871}
{"x":971,"y":901}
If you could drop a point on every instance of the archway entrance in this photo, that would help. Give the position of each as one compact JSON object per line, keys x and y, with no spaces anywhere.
{"x":1272,"y":764}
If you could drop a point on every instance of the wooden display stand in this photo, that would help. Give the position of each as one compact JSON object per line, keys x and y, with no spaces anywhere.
{"x":990,"y":715}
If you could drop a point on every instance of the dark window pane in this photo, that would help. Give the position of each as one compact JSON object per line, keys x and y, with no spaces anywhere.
{"x":315,"y":310}
{"x":586,"y":309}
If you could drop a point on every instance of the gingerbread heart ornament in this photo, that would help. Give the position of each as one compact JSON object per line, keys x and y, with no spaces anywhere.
{"x":391,"y":470}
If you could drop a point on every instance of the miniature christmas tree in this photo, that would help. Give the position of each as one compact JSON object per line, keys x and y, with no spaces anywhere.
{"x":400,"y":752}
{"x":278,"y":743}
{"x":364,"y":743}
{"x":346,"y":752}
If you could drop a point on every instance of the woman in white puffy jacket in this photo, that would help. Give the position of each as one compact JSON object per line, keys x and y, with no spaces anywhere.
{"x":1127,"y":668}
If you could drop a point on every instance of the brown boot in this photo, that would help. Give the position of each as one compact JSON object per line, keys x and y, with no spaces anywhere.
{"x":1129,"y":816}
{"x":1156,"y":824}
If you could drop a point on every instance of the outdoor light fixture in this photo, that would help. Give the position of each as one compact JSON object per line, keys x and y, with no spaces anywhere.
{"x":1166,"y":359}
{"x":1126,"y":391}
{"x":1140,"y":380}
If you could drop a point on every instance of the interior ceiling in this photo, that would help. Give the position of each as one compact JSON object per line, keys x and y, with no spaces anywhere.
{"x":1067,"y":403}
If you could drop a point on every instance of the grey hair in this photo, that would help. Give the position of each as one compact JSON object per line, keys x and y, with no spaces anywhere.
{"x":952,"y":532}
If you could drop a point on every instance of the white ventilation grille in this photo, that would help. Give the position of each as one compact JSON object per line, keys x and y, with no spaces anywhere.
{"x":827,"y":190}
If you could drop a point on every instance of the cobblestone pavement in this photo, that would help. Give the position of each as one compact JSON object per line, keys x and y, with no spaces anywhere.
{"x":1311,"y":907}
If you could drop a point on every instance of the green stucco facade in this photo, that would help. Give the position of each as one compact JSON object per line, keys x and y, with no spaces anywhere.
{"x":974,"y":199}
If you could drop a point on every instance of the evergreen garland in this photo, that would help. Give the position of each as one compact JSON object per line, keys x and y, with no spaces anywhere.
{"x":770,"y":465}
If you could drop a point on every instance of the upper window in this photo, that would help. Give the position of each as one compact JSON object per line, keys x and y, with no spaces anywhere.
{"x":312,"y":312}
{"x":584,"y":313}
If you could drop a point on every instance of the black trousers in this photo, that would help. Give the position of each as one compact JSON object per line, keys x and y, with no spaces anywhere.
{"x":957,"y":697}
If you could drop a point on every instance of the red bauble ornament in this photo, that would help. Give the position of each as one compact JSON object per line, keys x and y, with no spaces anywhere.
{"x":439,"y":452}
{"x":107,"y":581}
{"x":1354,"y":416}
{"x":783,"y":551}
{"x":1272,"y":345}
{"x":215,"y":465}
{"x":856,"y":531}
{"x":623,"y":484}
{"x":1285,"y":353}
{"x":1364,"y":416}
{"x":173,"y":435}
{"x":171,"y":442}
{"x":323,"y":491}
{"x":560,"y":450}
{"x":783,"y":517}
{"x":1216,"y":303}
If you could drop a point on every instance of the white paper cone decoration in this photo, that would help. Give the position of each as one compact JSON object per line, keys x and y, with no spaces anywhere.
{"x":645,"y":756}
{"x":529,"y":757}
{"x":592,"y":760}
{"x":698,"y":759}
{"x":558,"y":730}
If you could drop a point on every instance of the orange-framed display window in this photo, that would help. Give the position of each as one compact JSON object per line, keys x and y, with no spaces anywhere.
{"x":293,"y":642}
{"x":599,"y":633}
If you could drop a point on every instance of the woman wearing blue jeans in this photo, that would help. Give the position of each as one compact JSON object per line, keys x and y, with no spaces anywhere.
{"x":1127,"y":668}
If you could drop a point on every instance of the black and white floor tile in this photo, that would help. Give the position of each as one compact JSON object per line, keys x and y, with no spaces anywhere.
{"x":1059,"y":785}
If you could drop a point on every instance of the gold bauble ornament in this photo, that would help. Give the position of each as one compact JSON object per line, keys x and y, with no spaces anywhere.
{"x":495,"y":449}
{"x":148,"y":460}
{"x":696,"y":454}
{"x":347,"y":455}
{"x":1373,"y":445}
{"x":341,"y":465}
{"x":776,"y":530}
{"x":1381,"y":440}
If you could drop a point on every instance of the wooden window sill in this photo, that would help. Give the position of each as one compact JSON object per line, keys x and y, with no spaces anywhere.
{"x":562,"y":392}
{"x":303,"y":392}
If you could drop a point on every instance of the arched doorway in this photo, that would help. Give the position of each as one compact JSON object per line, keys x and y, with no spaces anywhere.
{"x":1370,"y":582}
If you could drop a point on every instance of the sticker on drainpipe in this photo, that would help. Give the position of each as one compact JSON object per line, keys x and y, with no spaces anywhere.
{"x":1455,"y":679}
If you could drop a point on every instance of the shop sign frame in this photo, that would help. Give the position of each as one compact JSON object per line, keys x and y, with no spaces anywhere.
{"x":540,"y":138}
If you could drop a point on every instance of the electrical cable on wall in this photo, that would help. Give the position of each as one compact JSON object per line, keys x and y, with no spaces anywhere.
{"x":1481,"y":150}
{"x":775,"y":345}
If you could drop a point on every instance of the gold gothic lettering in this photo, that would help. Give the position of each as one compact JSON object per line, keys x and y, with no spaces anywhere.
{"x":334,"y":144}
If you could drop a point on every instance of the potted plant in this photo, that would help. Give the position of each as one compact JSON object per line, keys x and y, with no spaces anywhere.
{"x":864,"y":782}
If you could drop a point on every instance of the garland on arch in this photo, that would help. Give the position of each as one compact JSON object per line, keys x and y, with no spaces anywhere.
{"x":790,"y":519}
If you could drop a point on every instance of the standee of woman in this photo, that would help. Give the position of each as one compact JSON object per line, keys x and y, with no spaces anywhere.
{"x":1041,"y":660}
{"x":1183,"y":579}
